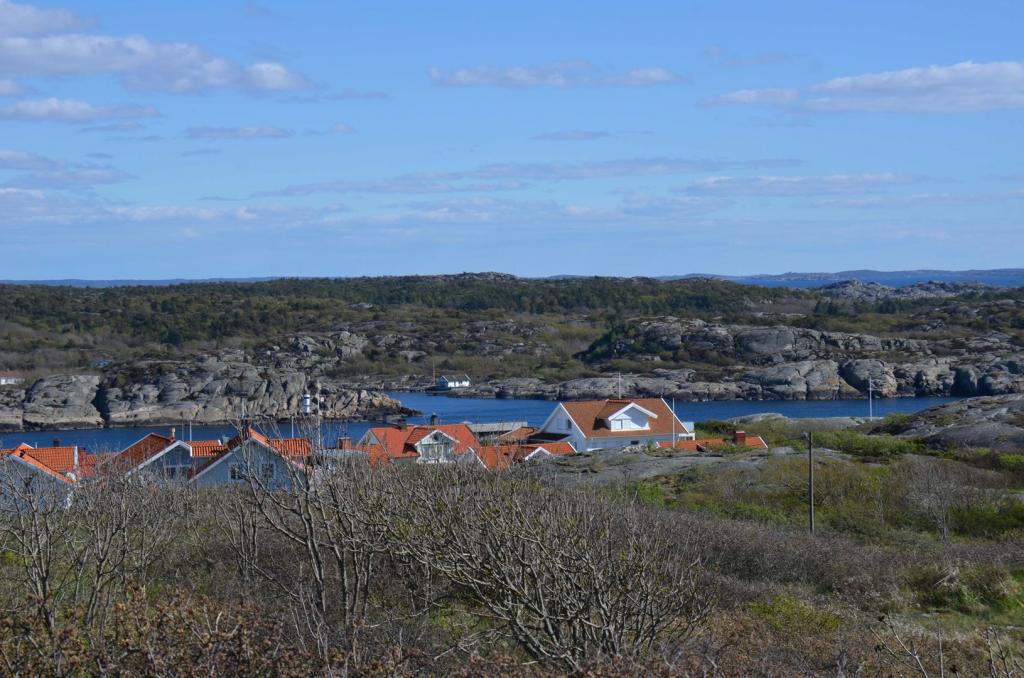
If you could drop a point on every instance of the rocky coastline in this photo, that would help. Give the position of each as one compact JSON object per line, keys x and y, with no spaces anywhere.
{"x":211,"y":390}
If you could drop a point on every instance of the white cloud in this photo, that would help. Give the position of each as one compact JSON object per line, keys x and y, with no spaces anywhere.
{"x":960,"y":88}
{"x":568,"y":74}
{"x":336,"y":128}
{"x":71,"y":111}
{"x":35,"y":42}
{"x":513,"y":176}
{"x":776,"y":186}
{"x":73,"y":177}
{"x":10,"y":88}
{"x":241,"y":133}
{"x":17,"y":19}
{"x":20,"y":160}
{"x":756,"y":97}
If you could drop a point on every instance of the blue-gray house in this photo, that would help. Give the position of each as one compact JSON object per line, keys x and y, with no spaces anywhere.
{"x":253,"y":457}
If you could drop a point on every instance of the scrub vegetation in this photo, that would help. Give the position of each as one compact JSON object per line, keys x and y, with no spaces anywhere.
{"x":409,"y":570}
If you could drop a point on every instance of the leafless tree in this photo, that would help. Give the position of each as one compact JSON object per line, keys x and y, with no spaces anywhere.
{"x":567,"y":576}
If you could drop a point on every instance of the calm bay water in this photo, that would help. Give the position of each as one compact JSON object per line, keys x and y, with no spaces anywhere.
{"x":452,"y":410}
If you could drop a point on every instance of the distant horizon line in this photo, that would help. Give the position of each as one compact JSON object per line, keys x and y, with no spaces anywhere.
{"x":863,"y":275}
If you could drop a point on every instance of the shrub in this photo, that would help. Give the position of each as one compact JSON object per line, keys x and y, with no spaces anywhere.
{"x":969,"y":590}
{"x":989,"y":520}
{"x":791,"y":616}
{"x":647,"y":492}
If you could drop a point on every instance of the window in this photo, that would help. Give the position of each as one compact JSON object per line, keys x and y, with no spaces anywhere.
{"x":568,"y":424}
{"x":267,"y":472}
{"x":236,"y":472}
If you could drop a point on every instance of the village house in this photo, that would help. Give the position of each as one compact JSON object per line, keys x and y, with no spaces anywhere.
{"x":613,"y":423}
{"x":447,"y":443}
{"x":164,"y":458}
{"x":71,"y":461}
{"x":39,"y":477}
{"x":446,"y":383}
{"x":28,"y":484}
{"x":424,"y":444}
{"x":273,"y":463}
{"x":11,"y":379}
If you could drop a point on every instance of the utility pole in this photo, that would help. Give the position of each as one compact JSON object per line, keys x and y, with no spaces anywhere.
{"x":810,"y":478}
{"x":871,"y":401}
{"x":620,"y":385}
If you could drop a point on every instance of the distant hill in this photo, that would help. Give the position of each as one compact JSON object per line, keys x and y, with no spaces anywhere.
{"x":1003,"y":277}
{"x":77,"y":282}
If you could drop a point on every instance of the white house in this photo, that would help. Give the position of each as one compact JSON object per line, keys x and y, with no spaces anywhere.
{"x":602,"y":424}
{"x":446,"y":383}
{"x":11,"y":379}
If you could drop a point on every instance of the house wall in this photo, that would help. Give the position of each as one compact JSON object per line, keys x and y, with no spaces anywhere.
{"x":639,"y":438}
{"x":250,"y":456}
{"x":23,"y":487}
{"x":436,"y":448}
{"x":178,"y":457}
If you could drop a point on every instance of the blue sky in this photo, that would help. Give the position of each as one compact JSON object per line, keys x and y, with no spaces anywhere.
{"x":650,"y":138}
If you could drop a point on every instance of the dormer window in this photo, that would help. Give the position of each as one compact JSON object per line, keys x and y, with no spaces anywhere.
{"x":632,"y":417}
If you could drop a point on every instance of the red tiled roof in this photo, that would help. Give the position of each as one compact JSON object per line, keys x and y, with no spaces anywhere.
{"x":695,"y":445}
{"x":501,"y":457}
{"x":287,"y":447}
{"x":25,"y":456}
{"x":60,"y":459}
{"x":589,"y":417}
{"x":57,"y":460}
{"x":521,"y":433}
{"x":206,"y":448}
{"x":399,"y":443}
{"x":557,"y":448}
{"x":142,"y":450}
{"x":498,"y":457}
{"x":292,"y":447}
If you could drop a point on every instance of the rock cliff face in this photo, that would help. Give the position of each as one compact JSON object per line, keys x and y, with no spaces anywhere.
{"x":794,"y":363}
{"x":995,"y":422}
{"x":213,"y":389}
{"x":62,"y":401}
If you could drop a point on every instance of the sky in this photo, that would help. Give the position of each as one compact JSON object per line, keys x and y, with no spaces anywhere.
{"x":157,"y":140}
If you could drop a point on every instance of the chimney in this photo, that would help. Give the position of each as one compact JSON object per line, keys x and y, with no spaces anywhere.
{"x":434,"y":420}
{"x":173,"y":432}
{"x":344,"y":443}
{"x":740,"y":438}
{"x":56,"y":442}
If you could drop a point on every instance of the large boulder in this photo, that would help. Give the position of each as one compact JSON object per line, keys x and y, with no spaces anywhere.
{"x":63,"y":401}
{"x":864,"y":373}
{"x":806,"y":380}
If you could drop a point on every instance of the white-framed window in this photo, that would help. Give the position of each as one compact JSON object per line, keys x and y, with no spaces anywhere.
{"x":568,"y":424}
{"x":237,"y":473}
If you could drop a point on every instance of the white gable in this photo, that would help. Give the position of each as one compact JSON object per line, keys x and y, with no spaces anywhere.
{"x":632,"y":417}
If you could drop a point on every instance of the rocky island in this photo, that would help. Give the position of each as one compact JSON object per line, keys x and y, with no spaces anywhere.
{"x":196,"y":353}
